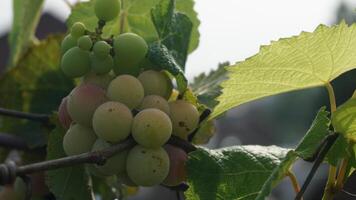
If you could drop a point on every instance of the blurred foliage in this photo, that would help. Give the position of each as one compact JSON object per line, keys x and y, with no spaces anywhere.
{"x":35,"y":85}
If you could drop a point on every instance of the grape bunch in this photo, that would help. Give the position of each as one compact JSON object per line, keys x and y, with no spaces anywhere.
{"x":118,"y":98}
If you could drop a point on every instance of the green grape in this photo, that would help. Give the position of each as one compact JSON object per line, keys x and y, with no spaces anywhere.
{"x":156,"y":83}
{"x":101,"y":49}
{"x":185,"y":118}
{"x":177,"y":159}
{"x":67,"y":43}
{"x":85,"y":43}
{"x":147,"y":167}
{"x":78,"y":139}
{"x":112,"y":121}
{"x":107,"y":10}
{"x":129,"y":49}
{"x":154,"y":101}
{"x":120,"y":67}
{"x":78,"y":29}
{"x":83,"y":101}
{"x":151,"y":128}
{"x":63,"y":115}
{"x":113,"y":165}
{"x":101,"y":66}
{"x":75,"y":62}
{"x":126,"y":89}
{"x":101,"y":80}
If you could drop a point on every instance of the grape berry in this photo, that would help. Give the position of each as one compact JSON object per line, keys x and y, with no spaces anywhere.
{"x":117,"y":99}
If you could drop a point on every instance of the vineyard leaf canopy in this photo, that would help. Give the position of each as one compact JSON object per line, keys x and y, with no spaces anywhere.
{"x":25,"y":20}
{"x":304,"y":61}
{"x":344,"y":119}
{"x":35,"y":85}
{"x":136,"y":15}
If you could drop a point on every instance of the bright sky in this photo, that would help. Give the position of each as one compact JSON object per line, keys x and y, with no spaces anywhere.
{"x":231,"y":30}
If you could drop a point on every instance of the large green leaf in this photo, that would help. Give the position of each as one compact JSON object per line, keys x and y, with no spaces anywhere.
{"x":66,"y":183}
{"x":37,"y":85}
{"x":237,"y":172}
{"x":207,"y":86}
{"x":25,"y":20}
{"x":136,"y":17}
{"x":174,"y":29}
{"x":344,"y":119}
{"x":304,"y":61}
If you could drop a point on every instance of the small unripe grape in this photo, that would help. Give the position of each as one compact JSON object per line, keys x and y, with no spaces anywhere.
{"x":75,"y":62}
{"x":120,"y":67}
{"x":78,"y":139}
{"x":184,"y":116}
{"x":101,"y":80}
{"x":151,"y":128}
{"x":101,"y":49}
{"x":112,"y":121}
{"x":77,"y":30}
{"x":85,"y":43}
{"x":147,"y":167}
{"x":83,"y":101}
{"x":130,"y":49}
{"x":154,"y":101}
{"x":67,"y":43}
{"x":63,"y":115}
{"x":107,"y":10}
{"x":177,"y":171}
{"x":113,"y":165}
{"x":126,"y":89}
{"x":156,"y":83}
{"x":101,"y":66}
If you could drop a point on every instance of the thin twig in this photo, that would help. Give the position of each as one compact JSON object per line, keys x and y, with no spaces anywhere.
{"x":24,"y":115}
{"x":90,"y":157}
{"x":9,"y":171}
{"x":202,"y":117}
{"x":294,"y":181}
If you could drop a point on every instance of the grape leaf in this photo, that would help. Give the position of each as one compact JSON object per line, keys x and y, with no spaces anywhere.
{"x":66,"y":183}
{"x":318,"y":130}
{"x":207,"y":86}
{"x":136,"y":17}
{"x":25,"y":20}
{"x":36,"y":85}
{"x":173,"y":29}
{"x":304,"y":61}
{"x":160,"y":56}
{"x":344,"y":119}
{"x":278,"y":173}
{"x":237,"y":172}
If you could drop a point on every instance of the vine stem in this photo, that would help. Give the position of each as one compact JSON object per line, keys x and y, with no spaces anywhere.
{"x":122,"y":18}
{"x":294,"y":181}
{"x":330,"y":184}
{"x":342,"y":173}
{"x":9,"y":171}
{"x":23,"y":115}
